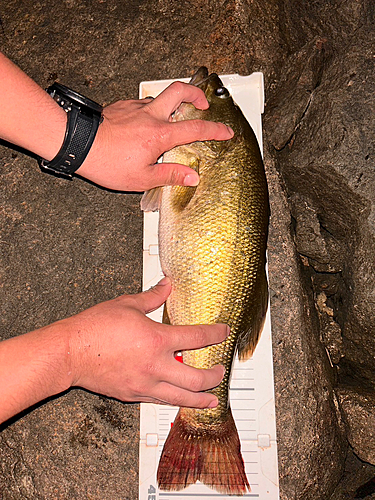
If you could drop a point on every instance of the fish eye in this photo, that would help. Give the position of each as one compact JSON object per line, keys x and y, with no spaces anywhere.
{"x":221,"y":92}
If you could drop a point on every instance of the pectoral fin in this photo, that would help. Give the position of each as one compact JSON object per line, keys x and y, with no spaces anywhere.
{"x":151,"y":200}
{"x":182,"y":195}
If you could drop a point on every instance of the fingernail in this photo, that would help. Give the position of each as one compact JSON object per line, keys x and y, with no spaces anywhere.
{"x":228,"y":331}
{"x":230,"y":130}
{"x":191,"y":180}
{"x":223,"y":368}
{"x":164,"y":281}
{"x":213,"y":403}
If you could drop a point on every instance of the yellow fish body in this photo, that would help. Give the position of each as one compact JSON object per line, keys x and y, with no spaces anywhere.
{"x":212,"y":244}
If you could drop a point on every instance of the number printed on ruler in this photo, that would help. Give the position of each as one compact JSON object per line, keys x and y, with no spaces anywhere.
{"x":151,"y":493}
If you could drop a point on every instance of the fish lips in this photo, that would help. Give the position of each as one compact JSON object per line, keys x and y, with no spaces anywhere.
{"x":202,"y":79}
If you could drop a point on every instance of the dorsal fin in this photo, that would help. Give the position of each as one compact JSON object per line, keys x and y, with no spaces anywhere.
{"x":248,"y":340}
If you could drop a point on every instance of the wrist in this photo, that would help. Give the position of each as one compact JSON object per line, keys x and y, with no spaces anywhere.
{"x":84,"y":354}
{"x":48,"y":136}
{"x":83,"y":119}
{"x":52,"y":355}
{"x":58,"y":355}
{"x":95,"y":161}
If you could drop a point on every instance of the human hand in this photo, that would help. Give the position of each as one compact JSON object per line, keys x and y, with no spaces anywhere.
{"x":117,"y":351}
{"x":135,"y":133}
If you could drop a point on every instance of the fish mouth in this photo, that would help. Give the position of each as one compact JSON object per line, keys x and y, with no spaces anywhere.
{"x":202,"y":79}
{"x":199,"y":76}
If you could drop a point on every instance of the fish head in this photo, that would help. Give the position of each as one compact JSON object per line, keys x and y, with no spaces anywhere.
{"x":222,"y":108}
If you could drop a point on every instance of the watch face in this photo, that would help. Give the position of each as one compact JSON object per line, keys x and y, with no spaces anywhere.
{"x":84,"y":103}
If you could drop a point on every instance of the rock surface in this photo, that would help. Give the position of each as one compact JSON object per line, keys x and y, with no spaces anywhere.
{"x":331,"y":185}
{"x":357,"y":481}
{"x":359,"y":410}
{"x":68,"y":245}
{"x":311,"y":443}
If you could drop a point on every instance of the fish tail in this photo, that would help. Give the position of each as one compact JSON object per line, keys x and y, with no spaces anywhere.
{"x":211,"y":456}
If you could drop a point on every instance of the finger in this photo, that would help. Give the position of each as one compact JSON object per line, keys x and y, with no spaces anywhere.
{"x":175,"y":396}
{"x":153,"y":298}
{"x":194,"y":379}
{"x":188,"y":131}
{"x":173,"y":174}
{"x":190,"y":337}
{"x":178,"y":92}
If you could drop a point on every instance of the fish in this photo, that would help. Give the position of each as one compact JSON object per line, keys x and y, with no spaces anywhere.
{"x":212,"y":245}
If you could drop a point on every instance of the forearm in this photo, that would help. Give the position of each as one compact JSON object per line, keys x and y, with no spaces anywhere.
{"x":133,"y":135}
{"x":33,"y":367}
{"x":111,"y":349}
{"x":29,"y":117}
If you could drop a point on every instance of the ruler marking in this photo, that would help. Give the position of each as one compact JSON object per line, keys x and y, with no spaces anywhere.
{"x":241,"y":387}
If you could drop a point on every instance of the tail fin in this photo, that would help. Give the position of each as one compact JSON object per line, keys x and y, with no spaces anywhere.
{"x":211,"y":455}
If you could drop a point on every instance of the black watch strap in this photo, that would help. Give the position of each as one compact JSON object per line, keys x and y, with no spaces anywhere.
{"x":84,"y":118}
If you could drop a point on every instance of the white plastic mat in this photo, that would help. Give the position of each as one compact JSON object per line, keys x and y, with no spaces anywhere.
{"x":251,"y":389}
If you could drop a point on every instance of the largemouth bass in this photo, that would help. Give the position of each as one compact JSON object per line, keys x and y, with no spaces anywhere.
{"x":212,"y":245}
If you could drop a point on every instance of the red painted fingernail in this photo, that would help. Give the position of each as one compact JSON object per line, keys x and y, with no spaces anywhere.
{"x":178,"y":356}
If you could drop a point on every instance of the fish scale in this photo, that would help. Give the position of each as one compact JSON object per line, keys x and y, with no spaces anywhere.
{"x":206,"y":289}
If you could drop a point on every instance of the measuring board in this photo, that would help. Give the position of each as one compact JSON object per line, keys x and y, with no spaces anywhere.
{"x":251,"y":388}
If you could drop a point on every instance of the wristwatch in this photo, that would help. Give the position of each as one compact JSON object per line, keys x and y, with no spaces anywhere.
{"x":84,"y":118}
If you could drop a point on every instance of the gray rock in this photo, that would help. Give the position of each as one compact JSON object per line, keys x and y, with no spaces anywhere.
{"x":78,"y":446}
{"x":321,"y":135}
{"x":311,"y":446}
{"x":357,"y":480}
{"x":325,"y":167}
{"x":358,"y":408}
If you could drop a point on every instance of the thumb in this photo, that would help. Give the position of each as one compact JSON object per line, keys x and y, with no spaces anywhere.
{"x":153,"y":298}
{"x":174,"y":174}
